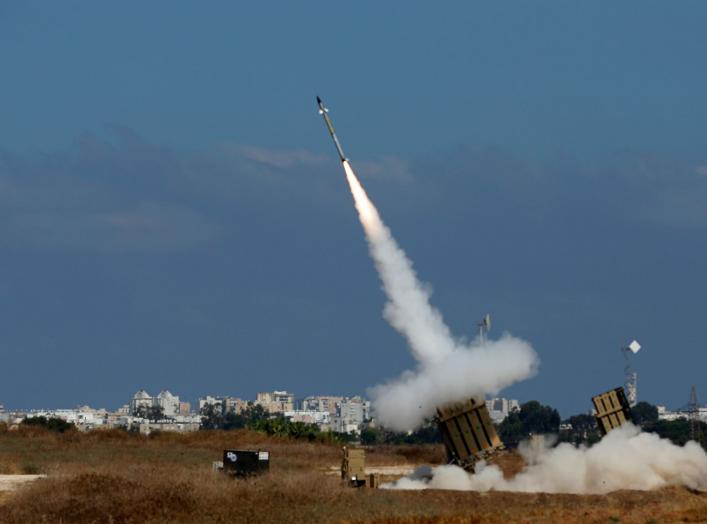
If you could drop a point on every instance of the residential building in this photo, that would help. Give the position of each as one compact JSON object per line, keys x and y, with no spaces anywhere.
{"x":234,"y":405}
{"x":168,"y":402}
{"x":664,"y":414}
{"x":208,"y":400}
{"x":499,"y":408}
{"x":350,"y":415}
{"x":320,"y":418}
{"x":141,"y":399}
{"x":276,"y":401}
{"x":327,"y":403}
{"x":146,"y":428}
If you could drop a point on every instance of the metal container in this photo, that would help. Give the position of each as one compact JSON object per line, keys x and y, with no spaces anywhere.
{"x":468,"y":432}
{"x":611,"y":410}
{"x":245,"y":463}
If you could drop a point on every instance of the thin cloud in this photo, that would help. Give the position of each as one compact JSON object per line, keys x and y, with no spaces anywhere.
{"x":389,"y":168}
{"x":280,"y":158}
{"x":117,"y":191}
{"x":147,"y":228}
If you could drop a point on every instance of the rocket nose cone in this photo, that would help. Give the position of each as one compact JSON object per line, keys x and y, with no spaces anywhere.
{"x":319,"y":101}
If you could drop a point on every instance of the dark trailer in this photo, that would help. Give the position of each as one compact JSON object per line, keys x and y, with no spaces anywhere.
{"x":244,"y":463}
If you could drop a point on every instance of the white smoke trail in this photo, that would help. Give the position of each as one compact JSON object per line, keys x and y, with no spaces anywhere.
{"x":624,"y":459}
{"x":447,"y":369}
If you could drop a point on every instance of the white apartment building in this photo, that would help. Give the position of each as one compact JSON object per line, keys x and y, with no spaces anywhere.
{"x":664,"y":414}
{"x":83,"y":417}
{"x":167,"y":401}
{"x":141,"y":399}
{"x":320,"y":418}
{"x":499,"y":408}
{"x":350,"y":415}
{"x":326,"y":403}
{"x":209,"y":400}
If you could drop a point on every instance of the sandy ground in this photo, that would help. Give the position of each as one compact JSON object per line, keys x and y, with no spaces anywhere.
{"x":399,"y":470}
{"x":12,"y":482}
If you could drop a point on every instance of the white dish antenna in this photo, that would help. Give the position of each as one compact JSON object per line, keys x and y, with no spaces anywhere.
{"x":634,"y":347}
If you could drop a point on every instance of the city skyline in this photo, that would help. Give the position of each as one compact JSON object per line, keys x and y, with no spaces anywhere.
{"x":299,"y":401}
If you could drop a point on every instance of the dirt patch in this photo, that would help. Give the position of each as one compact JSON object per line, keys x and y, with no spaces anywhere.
{"x":13,"y":482}
{"x":510,"y":462}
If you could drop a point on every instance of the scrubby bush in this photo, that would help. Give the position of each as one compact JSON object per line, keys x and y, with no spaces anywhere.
{"x":531,"y":418}
{"x":51,"y":423}
{"x":426,"y":434}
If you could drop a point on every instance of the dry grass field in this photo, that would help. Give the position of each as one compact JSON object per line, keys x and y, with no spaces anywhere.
{"x":115,"y":477}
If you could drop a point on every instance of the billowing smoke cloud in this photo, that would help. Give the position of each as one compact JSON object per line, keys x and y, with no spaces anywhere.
{"x":448,"y":370}
{"x":404,"y":403}
{"x":624,"y":459}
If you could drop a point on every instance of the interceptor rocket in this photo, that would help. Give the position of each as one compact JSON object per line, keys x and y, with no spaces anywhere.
{"x":325,"y":114}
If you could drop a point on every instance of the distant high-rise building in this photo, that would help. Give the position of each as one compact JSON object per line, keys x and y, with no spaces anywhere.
{"x":234,"y":405}
{"x":322,"y":403}
{"x":276,"y":401}
{"x":208,"y":400}
{"x":141,"y":399}
{"x":168,"y":402}
{"x":499,"y":408}
{"x":350,"y":415}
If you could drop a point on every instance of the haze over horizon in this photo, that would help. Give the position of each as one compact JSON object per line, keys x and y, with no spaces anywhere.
{"x":174,"y":214}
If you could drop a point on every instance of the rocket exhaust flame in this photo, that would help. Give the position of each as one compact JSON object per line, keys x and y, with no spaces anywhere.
{"x":369,"y":214}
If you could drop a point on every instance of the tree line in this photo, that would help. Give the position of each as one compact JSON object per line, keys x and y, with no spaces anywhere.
{"x":534,"y":418}
{"x":257,"y":418}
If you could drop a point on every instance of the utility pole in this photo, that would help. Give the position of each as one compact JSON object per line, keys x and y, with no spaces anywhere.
{"x":484,"y":326}
{"x":630,"y":376}
{"x":693,"y":410}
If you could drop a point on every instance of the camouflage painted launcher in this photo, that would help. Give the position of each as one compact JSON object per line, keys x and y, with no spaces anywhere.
{"x":467,"y":432}
{"x":611,"y":409}
{"x":353,"y":464}
{"x":353,"y":469}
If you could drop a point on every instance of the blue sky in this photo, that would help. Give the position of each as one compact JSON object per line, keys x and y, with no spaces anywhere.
{"x":173,"y":214}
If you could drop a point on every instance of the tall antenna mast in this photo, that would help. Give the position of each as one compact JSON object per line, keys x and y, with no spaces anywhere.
{"x":484,"y":326}
{"x":630,"y":376}
{"x":693,"y":409}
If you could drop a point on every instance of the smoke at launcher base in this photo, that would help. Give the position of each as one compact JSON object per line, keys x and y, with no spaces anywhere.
{"x":447,"y":369}
{"x":625,"y":458}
